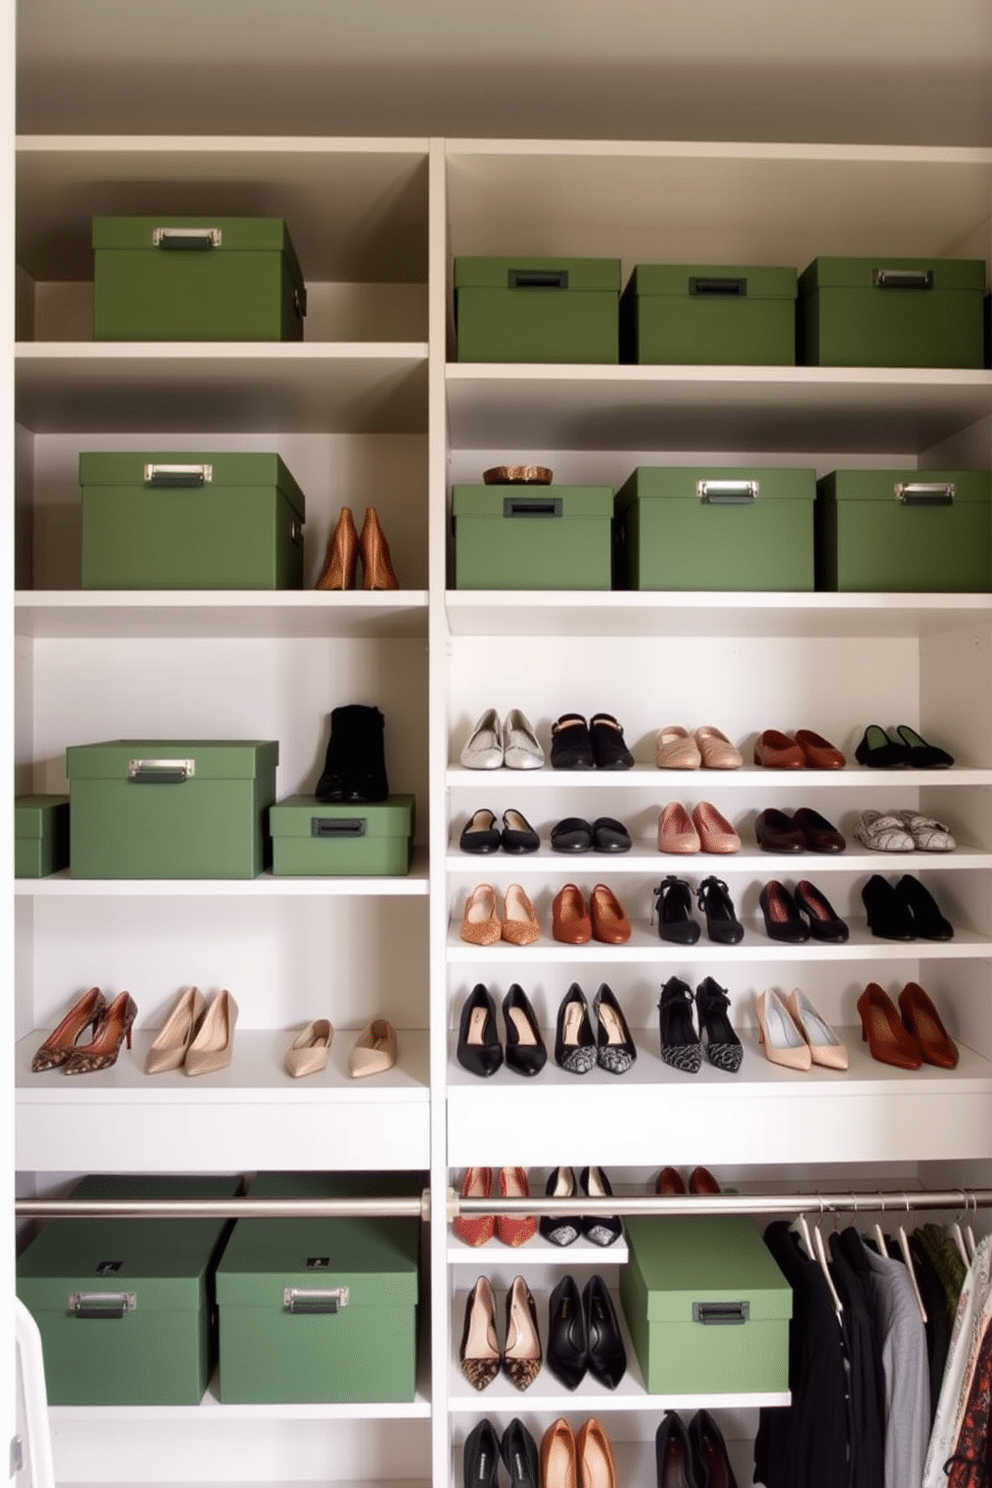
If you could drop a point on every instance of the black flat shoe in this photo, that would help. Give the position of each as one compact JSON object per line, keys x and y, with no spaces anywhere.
{"x":567,"y":1353}
{"x":561,"y":1229}
{"x":824,"y":923}
{"x":720,"y":1043}
{"x":889,"y":916}
{"x":879,"y":752}
{"x":575,"y":1046}
{"x":571,"y":835}
{"x":673,"y":901}
{"x":782,"y":918}
{"x":710,"y":1452}
{"x":615,"y":1049}
{"x":526,"y":1053}
{"x":480,"y":1457}
{"x":606,"y":1353}
{"x":923,"y":756}
{"x":674,"y":1463}
{"x":519,"y":1452}
{"x":518,"y":836}
{"x":610,"y":835}
{"x":608,"y":747}
{"x":480,"y":833}
{"x":819,"y":835}
{"x":776,"y":832}
{"x":601,"y":1229}
{"x":571,"y":746}
{"x":479,"y":1049}
{"x":722,"y":925}
{"x":928,"y":922}
{"x":680,"y":1046}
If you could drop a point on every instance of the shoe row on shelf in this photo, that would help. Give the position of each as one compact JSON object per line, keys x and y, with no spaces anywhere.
{"x":583,"y":1335}
{"x":577,"y":1048}
{"x":599,"y":744}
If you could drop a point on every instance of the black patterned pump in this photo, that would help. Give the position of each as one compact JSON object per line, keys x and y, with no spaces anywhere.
{"x":680,"y":1046}
{"x":722,"y":1046}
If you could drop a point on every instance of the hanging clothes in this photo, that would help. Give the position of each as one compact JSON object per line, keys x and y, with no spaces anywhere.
{"x":867,"y":1376}
{"x":974,"y":1313}
{"x":805,"y":1444}
{"x":943,"y":1252}
{"x":938,"y":1326}
{"x":969,"y":1467}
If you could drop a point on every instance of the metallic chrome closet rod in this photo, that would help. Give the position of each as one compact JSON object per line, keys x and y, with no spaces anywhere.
{"x":893,"y":1201}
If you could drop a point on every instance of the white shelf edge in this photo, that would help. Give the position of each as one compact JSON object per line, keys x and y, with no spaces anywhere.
{"x":725,"y":149}
{"x":624,"y":373}
{"x":671,"y":782}
{"x":750,"y":860}
{"x":220,"y":351}
{"x":415,"y":884}
{"x":154,"y":144}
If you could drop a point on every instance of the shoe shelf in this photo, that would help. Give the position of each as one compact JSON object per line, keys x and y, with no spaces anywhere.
{"x":265,"y":886}
{"x":673,"y":784}
{"x":717,"y":613}
{"x":536,"y":1251}
{"x":763,"y":1114}
{"x":643,"y":858}
{"x":589,"y":1397}
{"x":68,"y":614}
{"x":635,"y":1461}
{"x":249,"y":1116}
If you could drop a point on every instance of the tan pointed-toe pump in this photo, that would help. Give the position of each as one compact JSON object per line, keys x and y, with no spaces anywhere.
{"x":341,"y":558}
{"x":211,"y":1048}
{"x":376,"y":562}
{"x":177,"y":1033}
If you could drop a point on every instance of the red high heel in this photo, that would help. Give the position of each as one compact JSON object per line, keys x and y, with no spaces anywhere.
{"x":111,"y":1031}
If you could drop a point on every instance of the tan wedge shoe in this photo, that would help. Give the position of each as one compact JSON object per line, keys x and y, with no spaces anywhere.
{"x":307,"y":1054}
{"x":177,"y":1033}
{"x":212,"y":1046}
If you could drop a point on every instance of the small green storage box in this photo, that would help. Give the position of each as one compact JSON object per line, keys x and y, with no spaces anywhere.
{"x":333,"y":840}
{"x":905,"y":531}
{"x":537,"y":309}
{"x":532,"y":537}
{"x":190,"y":521}
{"x":318,"y":1310}
{"x":737,"y":314}
{"x":125,"y":1306}
{"x":196,"y":279}
{"x":891,"y":312}
{"x":170,"y":808}
{"x":707,"y":1307}
{"x":41,"y":835}
{"x":723,"y":527}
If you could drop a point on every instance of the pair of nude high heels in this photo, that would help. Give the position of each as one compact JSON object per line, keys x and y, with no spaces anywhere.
{"x":110,"y":1023}
{"x":197,"y":1036}
{"x":343,"y":548}
{"x":374,"y":1050}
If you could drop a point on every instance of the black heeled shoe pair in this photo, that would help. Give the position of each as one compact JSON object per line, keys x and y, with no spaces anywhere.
{"x":693,"y":1457}
{"x":479,"y":1049}
{"x":355,"y":762}
{"x":483,"y":1450}
{"x":879,"y":751}
{"x":903,"y":911}
{"x":592,"y":1183}
{"x":577,"y":1048}
{"x":681,"y":1046}
{"x":796,"y":917}
{"x":673,"y":906}
{"x":584,"y":1334}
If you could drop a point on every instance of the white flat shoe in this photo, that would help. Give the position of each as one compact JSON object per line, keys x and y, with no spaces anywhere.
{"x":825,"y":1047}
{"x":307,"y":1054}
{"x":521,"y":750}
{"x":484,"y":748}
{"x":883,"y":832}
{"x":928,"y":835}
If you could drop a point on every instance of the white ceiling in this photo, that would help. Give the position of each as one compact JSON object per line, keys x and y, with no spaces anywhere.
{"x":883,"y":71}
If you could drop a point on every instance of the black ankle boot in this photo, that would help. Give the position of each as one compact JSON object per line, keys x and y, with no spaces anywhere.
{"x":355,"y":765}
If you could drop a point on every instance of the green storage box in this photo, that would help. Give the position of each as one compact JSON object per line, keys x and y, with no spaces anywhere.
{"x":721,"y":527}
{"x":196,"y":279}
{"x":537,"y":309}
{"x":41,"y":835}
{"x":707,"y":1307}
{"x":170,"y":808}
{"x":891,"y":312}
{"x":318,"y":1310}
{"x":333,"y":840}
{"x":532,"y":537}
{"x":125,"y":1306}
{"x":190,"y":521}
{"x":905,"y":531}
{"x":739,"y":314}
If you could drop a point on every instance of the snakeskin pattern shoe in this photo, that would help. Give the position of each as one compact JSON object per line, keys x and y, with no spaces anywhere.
{"x":522,"y":1355}
{"x":479,"y":1353}
{"x":680,"y":1046}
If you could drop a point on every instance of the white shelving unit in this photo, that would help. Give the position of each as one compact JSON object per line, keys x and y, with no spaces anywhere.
{"x":372,"y":409}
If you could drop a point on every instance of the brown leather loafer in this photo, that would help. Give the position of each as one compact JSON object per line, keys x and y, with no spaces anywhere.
{"x":818,"y":752}
{"x":776,"y":832}
{"x":819,"y":834}
{"x":609,"y":919}
{"x":570,"y":920}
{"x":777,"y":751}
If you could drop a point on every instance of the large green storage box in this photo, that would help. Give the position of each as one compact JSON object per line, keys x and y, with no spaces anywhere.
{"x":41,"y":835}
{"x":166,"y":520}
{"x":740,"y":314}
{"x":892,"y":312}
{"x":318,"y":1310}
{"x":532,"y":537}
{"x":317,"y":839}
{"x":125,"y":1306}
{"x":196,"y":279}
{"x":537,"y":309}
{"x":905,"y":531}
{"x":723,"y":527}
{"x":170,"y":808}
{"x":707,"y":1307}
